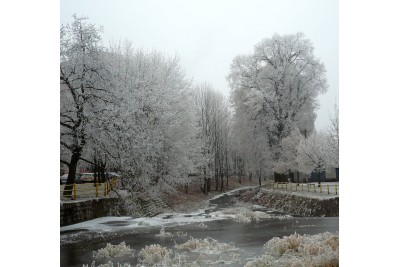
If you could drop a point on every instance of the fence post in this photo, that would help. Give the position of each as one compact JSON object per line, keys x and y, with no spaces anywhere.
{"x":328,"y":188}
{"x":74,"y":191}
{"x":97,"y":189}
{"x":335,"y":189}
{"x":105,"y":189}
{"x":320,"y":188}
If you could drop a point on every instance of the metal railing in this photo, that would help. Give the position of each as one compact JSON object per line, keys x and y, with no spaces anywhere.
{"x":311,"y":187}
{"x":88,"y":190}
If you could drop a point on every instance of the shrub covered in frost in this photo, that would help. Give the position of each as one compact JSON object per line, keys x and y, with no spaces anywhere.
{"x":296,"y":251}
{"x":180,"y":233}
{"x":154,"y":255}
{"x":113,"y":251}
{"x":164,"y":234}
{"x":206,"y":246}
{"x":202,"y":225}
{"x":208,"y":260}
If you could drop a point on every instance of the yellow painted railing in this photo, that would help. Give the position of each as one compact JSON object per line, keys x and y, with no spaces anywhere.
{"x":88,"y":190}
{"x":312,"y":187}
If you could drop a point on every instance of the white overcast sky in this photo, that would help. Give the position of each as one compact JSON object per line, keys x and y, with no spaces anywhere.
{"x":207,"y":34}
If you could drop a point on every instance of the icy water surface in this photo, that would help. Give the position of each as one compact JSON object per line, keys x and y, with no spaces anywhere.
{"x":78,"y":243}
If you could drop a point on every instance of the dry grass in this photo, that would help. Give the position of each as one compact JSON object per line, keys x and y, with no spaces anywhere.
{"x":205,"y":246}
{"x":113,"y":251}
{"x":154,"y":254}
{"x":108,"y":264}
{"x":164,"y":234}
{"x":296,"y":250}
{"x":195,"y":199}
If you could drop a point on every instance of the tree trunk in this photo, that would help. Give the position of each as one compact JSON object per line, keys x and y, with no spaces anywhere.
{"x":227,"y":185}
{"x":99,"y":172}
{"x":103,"y":176}
{"x":319,"y":178}
{"x":71,"y":175}
{"x":96,"y":178}
{"x":226,"y":169}
{"x":222,"y":182}
{"x":204,"y":187}
{"x":216,"y":182}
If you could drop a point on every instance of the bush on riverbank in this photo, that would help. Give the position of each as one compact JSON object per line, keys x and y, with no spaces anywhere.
{"x":296,"y":251}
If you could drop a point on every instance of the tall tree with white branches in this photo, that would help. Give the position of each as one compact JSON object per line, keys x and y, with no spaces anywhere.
{"x":84,"y":88}
{"x":279,"y":82}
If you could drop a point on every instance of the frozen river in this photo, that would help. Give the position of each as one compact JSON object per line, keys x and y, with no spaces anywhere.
{"x":216,"y":221}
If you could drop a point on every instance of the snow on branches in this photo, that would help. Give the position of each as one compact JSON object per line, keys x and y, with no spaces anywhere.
{"x":279,"y":83}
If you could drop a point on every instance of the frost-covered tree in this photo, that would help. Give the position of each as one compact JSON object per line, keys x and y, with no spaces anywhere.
{"x":84,"y":88}
{"x":313,"y":153}
{"x":280,"y":83}
{"x":152,"y":131}
{"x":333,"y":139}
{"x":251,"y":151}
{"x":289,"y":146}
{"x":213,"y":120}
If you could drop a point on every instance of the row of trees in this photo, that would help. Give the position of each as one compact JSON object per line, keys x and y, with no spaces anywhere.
{"x":134,"y":106}
{"x":160,"y":131}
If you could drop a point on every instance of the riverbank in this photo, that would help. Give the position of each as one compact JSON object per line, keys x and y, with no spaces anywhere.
{"x":294,"y":203}
{"x":182,"y":202}
{"x":225,"y":222}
